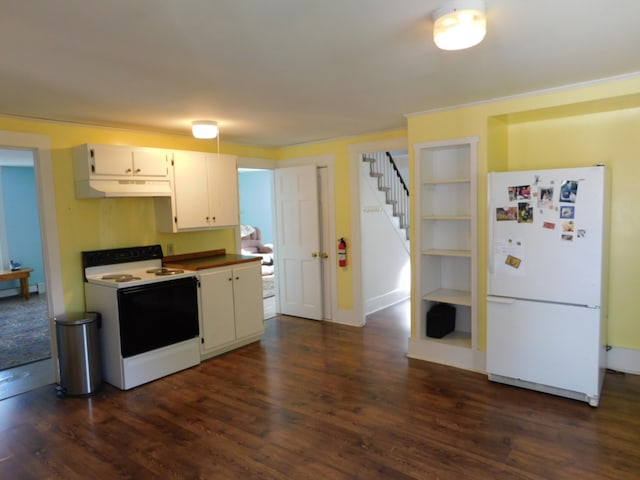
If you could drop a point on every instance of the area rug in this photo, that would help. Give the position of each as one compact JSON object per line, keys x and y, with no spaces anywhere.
{"x":24,"y":330}
{"x":268,"y":286}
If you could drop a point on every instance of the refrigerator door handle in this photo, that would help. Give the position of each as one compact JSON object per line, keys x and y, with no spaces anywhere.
{"x":505,"y":300}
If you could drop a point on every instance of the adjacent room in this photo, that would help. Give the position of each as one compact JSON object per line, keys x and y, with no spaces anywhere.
{"x":256,"y":230}
{"x":24,"y":320}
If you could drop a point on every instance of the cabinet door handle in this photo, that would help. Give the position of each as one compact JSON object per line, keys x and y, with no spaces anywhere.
{"x":314,"y":254}
{"x":230,"y":279}
{"x":138,"y":170}
{"x":237,"y":278}
{"x":128,"y":170}
{"x":324,"y":255}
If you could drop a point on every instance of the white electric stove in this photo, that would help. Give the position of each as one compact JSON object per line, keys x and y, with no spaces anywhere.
{"x":131,"y":274}
{"x":150,"y":325}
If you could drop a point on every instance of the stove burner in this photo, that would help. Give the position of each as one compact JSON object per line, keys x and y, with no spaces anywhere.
{"x":165,"y":271}
{"x":122,"y":277}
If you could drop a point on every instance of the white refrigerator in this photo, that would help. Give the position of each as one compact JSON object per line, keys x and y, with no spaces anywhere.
{"x":545,"y":290}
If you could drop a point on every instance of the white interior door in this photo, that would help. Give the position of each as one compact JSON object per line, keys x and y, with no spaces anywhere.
{"x":298,"y":234}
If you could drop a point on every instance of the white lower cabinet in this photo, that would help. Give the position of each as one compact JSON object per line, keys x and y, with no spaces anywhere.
{"x":231,"y":308}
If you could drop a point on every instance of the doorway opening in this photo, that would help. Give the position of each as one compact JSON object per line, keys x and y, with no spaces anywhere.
{"x":363,"y":265}
{"x":36,"y":374}
{"x":263,"y":172}
{"x":384,"y":226}
{"x":255,"y":187}
{"x":24,"y":315}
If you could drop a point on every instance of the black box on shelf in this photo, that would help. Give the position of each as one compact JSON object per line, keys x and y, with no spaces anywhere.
{"x":441,"y":320}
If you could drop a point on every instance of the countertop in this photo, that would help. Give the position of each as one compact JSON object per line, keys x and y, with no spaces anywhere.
{"x":207,"y":259}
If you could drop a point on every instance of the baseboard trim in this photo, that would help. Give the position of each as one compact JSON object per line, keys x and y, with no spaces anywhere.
{"x":385,"y":300}
{"x":347,"y":317}
{"x":14,"y":292}
{"x":447,"y":354}
{"x":624,"y":360}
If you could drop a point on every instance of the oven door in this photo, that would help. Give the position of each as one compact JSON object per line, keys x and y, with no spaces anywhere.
{"x":158,"y":314}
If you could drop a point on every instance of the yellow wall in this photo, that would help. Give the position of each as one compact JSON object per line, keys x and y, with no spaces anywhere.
{"x":610,"y":138}
{"x":94,"y":224}
{"x":581,"y":126}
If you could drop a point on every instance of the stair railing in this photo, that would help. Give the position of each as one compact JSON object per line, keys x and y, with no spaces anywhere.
{"x":399,"y":192}
{"x":383,"y":167}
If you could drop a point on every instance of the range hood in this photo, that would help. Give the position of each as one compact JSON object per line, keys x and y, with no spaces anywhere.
{"x":102,"y":188}
{"x":121,"y":171}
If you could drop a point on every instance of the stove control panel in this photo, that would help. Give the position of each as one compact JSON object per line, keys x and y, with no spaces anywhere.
{"x":97,"y":258}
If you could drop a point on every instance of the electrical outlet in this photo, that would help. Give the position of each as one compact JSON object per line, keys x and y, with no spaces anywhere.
{"x":169,"y":248}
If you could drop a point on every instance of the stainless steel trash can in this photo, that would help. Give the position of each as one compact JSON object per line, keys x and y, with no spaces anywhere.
{"x":79,"y":353}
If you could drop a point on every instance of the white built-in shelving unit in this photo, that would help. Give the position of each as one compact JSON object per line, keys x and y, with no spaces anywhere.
{"x":445,"y":258}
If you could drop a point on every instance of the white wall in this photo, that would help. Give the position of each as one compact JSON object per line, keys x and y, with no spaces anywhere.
{"x":385,"y":255}
{"x":401,"y":157}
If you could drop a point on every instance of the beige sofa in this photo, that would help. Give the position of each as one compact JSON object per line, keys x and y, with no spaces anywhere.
{"x":251,"y":241}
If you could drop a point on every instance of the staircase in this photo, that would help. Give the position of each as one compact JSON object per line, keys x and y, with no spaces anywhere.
{"x":390,"y":182}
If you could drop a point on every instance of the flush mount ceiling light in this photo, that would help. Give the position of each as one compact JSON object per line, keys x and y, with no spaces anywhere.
{"x":204,"y":129}
{"x":459,"y":24}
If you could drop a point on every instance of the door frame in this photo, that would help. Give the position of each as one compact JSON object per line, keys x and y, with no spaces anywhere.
{"x":355,"y":157}
{"x":327,"y":161}
{"x":40,"y":145}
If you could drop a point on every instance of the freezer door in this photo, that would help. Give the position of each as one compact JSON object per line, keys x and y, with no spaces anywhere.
{"x":548,"y":344}
{"x":546,"y":235}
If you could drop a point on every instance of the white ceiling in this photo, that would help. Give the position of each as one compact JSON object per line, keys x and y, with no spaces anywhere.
{"x":282,"y":72}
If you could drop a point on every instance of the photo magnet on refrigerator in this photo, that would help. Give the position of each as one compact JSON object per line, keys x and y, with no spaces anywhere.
{"x":569,"y":191}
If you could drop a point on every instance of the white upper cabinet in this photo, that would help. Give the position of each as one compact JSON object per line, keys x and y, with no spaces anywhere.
{"x":222,"y":175}
{"x":117,"y":161}
{"x":121,"y":171}
{"x":205,"y":193}
{"x":150,"y":162}
{"x":190,"y":191}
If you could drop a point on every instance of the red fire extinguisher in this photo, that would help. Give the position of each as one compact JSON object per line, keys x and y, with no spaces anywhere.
{"x":342,"y":252}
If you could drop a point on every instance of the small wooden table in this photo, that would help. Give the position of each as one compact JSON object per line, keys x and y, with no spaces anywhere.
{"x":22,"y":275}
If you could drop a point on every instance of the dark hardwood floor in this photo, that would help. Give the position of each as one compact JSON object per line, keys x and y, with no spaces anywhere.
{"x":316,"y":400}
